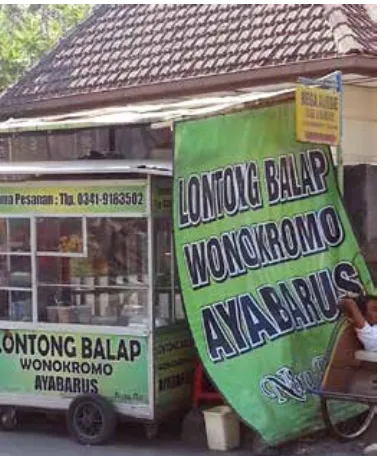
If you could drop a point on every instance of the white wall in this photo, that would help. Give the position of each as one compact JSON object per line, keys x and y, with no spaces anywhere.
{"x":359,"y":125}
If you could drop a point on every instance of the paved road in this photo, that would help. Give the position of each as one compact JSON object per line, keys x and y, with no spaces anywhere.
{"x":51,"y":439}
{"x":42,"y":438}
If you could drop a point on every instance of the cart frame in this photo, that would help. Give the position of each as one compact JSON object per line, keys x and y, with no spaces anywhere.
{"x":159,"y":403}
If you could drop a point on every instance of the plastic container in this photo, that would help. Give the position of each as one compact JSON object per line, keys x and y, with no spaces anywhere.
{"x":52,"y":314}
{"x":84,"y":314}
{"x":222,"y":428}
{"x":67,"y":314}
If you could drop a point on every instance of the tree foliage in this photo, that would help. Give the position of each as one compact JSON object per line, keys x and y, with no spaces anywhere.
{"x":28,"y":31}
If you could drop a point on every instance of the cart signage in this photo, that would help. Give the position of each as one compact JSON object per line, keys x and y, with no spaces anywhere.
{"x":72,"y":198}
{"x":263,"y":248}
{"x":68,"y":365}
{"x":175,"y":361}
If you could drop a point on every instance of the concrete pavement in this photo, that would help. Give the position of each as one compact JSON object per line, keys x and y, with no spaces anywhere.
{"x":44,"y":438}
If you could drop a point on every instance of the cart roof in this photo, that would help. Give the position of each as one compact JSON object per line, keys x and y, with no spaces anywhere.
{"x":59,"y":168}
{"x":144,"y":113}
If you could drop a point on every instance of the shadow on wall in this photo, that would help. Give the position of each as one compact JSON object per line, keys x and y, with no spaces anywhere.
{"x":360,"y":197}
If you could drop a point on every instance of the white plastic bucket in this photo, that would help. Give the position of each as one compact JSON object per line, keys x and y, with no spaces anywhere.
{"x":222,"y":428}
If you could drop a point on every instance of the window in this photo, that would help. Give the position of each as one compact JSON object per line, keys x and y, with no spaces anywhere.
{"x":14,"y":235}
{"x":163,"y":292}
{"x":107,"y":285}
{"x":179,"y":311}
{"x":15,"y":305}
{"x":53,"y":270}
{"x":15,"y":270}
{"x":167,"y":297}
{"x":88,"y":270}
{"x":58,"y":234}
{"x":117,"y":247}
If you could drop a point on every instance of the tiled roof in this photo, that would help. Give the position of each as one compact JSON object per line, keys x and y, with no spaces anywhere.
{"x":124,"y":46}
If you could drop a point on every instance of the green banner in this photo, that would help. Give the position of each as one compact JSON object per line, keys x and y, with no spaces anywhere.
{"x":264,"y":248}
{"x":70,"y":364}
{"x":72,"y":198}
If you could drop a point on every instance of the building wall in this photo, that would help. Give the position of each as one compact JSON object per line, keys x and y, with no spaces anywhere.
{"x":359,"y":125}
{"x":360,"y":159}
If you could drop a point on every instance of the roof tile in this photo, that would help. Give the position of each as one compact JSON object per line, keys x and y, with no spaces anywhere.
{"x":126,"y":45}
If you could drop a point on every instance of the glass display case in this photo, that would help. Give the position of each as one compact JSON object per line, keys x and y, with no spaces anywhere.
{"x":98,"y":265}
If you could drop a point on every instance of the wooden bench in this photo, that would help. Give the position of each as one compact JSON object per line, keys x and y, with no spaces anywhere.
{"x":365,"y":355}
{"x":351,"y":371}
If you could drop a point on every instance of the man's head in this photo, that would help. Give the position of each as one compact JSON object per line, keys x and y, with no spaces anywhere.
{"x":368,"y":308}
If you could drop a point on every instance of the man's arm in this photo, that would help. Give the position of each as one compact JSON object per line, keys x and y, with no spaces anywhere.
{"x":350,"y":308}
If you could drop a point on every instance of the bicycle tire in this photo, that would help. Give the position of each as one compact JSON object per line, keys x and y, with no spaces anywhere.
{"x":351,"y":434}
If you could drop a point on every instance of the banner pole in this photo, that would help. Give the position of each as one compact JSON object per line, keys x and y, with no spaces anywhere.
{"x":339,"y":156}
{"x":339,"y":149}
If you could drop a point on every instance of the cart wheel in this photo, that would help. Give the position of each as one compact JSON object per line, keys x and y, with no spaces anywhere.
{"x":151,"y":430}
{"x":351,"y":428}
{"x":8,"y":419}
{"x":91,"y":420}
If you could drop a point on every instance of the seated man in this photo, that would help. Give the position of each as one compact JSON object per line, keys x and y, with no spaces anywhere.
{"x":362,"y":311}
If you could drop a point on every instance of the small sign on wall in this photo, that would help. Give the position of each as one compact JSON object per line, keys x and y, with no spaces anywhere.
{"x":318,"y":114}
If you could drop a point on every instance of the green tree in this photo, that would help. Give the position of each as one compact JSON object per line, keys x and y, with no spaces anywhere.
{"x":28,"y":31}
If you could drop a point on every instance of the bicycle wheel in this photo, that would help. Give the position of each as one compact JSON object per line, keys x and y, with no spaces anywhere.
{"x":344,"y":428}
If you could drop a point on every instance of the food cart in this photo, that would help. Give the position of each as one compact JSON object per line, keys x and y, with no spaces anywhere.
{"x":91,"y":320}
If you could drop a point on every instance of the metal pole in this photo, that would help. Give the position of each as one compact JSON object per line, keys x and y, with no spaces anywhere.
{"x":339,"y":150}
{"x":33,"y":252}
{"x":151,"y":299}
